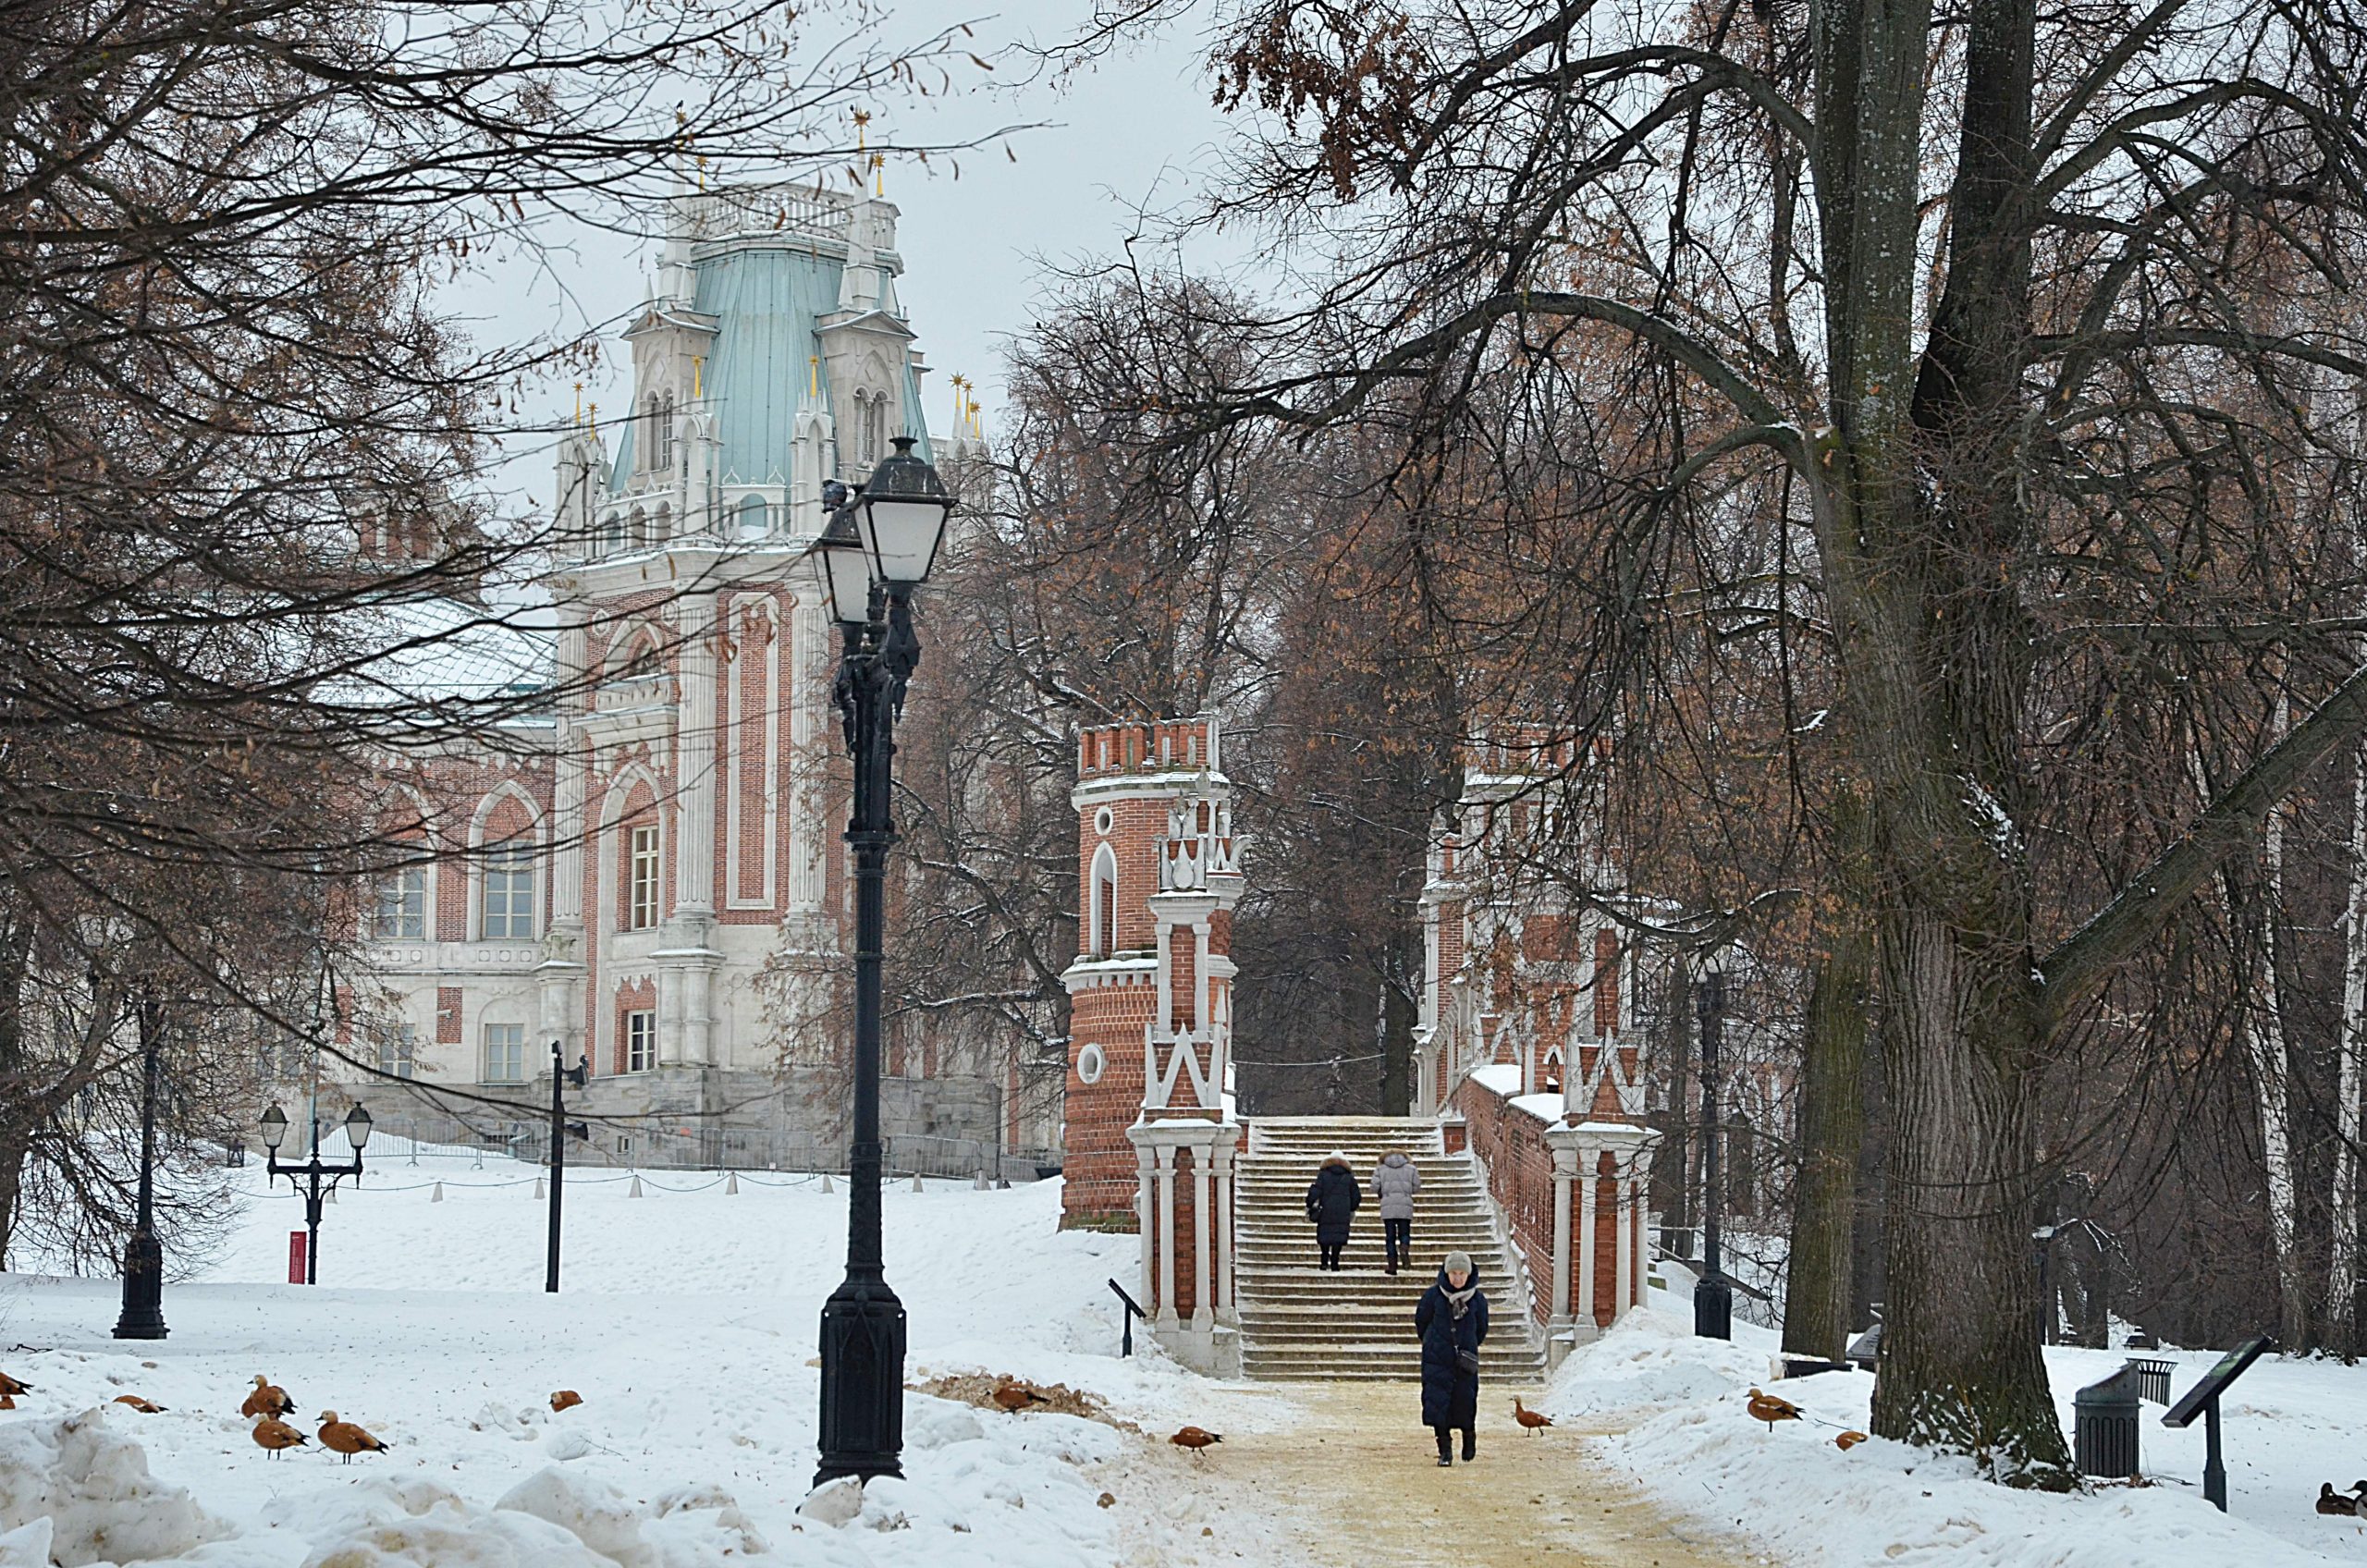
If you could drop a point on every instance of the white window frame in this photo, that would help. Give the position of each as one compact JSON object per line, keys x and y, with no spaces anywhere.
{"x":394,"y":918}
{"x":399,"y":1051}
{"x":508,"y":864}
{"x":643,"y":860}
{"x":500,"y":1041}
{"x":640,"y":1030}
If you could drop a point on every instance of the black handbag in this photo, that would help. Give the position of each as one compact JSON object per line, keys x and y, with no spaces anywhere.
{"x":1467,"y":1361}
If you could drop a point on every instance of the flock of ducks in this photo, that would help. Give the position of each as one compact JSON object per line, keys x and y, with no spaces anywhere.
{"x":267,"y":1406}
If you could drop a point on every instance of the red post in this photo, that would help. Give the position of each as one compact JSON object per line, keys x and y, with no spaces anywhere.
{"x":295,"y":1257}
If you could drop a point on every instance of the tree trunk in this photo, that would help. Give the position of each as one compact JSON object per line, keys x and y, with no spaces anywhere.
{"x":2341,"y":1328}
{"x":1824,"y":1204}
{"x":1398,"y":1014}
{"x":2265,"y":1050}
{"x":1868,"y":1285}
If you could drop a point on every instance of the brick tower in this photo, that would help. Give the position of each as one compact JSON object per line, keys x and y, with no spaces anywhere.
{"x":1150,"y":1136}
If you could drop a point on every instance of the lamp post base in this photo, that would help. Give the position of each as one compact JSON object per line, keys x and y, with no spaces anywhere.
{"x":1714,"y":1308}
{"x":863,"y":1382}
{"x":144,"y":1289}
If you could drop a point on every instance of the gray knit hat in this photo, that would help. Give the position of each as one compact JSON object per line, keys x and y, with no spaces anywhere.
{"x":1458,"y":1263}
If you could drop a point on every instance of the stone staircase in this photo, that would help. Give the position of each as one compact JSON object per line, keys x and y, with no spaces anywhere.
{"x":1300,"y":1323}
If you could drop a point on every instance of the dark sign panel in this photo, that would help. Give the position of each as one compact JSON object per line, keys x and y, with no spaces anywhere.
{"x":2214,"y":1382}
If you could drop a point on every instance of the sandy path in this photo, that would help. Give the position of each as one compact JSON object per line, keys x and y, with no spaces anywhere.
{"x":1356,"y":1483}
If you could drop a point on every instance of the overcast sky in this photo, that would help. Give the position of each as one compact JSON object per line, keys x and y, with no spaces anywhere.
{"x":1135,"y":130}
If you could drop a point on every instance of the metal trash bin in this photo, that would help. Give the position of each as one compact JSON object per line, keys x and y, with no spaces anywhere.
{"x":2104,"y":1424}
{"x":2153,"y":1378}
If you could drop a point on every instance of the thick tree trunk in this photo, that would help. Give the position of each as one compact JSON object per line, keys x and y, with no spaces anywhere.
{"x":1868,"y":1284}
{"x":2342,"y":1208}
{"x":1825,"y":1204}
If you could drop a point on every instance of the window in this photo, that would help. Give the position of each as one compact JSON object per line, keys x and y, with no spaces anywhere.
{"x":640,"y":882}
{"x":402,"y":914}
{"x":755,"y":518}
{"x":509,"y":907}
{"x":396,"y":1047}
{"x":664,"y":442}
{"x":649,"y":434}
{"x":874,"y":430}
{"x":641,"y":1041}
{"x":505,"y":1053}
{"x":1606,"y":984}
{"x":640,"y":528}
{"x":612,"y":534}
{"x":1102,"y":933}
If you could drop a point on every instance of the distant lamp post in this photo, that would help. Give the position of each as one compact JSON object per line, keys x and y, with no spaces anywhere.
{"x":275,"y":1133}
{"x":879,"y":547}
{"x":143,"y":1256}
{"x":1713,"y":1296}
{"x":578,"y":1076}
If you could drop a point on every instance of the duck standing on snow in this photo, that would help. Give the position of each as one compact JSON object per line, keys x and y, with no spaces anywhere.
{"x":345,"y":1438}
{"x":272,"y":1435}
{"x":1332,"y":1199}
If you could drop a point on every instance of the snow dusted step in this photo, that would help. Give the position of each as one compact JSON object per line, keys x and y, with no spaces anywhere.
{"x":1299,"y":1322}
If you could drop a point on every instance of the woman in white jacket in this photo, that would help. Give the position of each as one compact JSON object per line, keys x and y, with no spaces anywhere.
{"x":1394,"y":1183}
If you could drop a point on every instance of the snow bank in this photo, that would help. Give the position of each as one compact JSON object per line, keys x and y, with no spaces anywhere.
{"x":90,"y":1486}
{"x":1791,"y":1492}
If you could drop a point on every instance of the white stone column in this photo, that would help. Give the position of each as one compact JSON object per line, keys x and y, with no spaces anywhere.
{"x":1227,"y":1141}
{"x":1623,"y":1251}
{"x":1565,"y":1165}
{"x":1587,"y":1186}
{"x":1164,"y":1155}
{"x":1204,"y":1313}
{"x":1146,"y":1227}
{"x":694,"y":758}
{"x":803,"y":695}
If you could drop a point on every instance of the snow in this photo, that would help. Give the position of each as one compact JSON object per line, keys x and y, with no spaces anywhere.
{"x":687,"y":1321}
{"x":1500,"y":1078}
{"x":1791,"y":1493}
{"x":689,"y":1324}
{"x":1548,"y":1108}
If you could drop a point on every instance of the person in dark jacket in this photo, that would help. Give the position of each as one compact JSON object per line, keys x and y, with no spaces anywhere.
{"x":1331,"y":1201}
{"x":1452,"y":1321}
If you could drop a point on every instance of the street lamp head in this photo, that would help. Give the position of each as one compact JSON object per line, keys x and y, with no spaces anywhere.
{"x":846,"y":569}
{"x":274,"y":1128}
{"x":901,"y":510}
{"x":357,"y":1127}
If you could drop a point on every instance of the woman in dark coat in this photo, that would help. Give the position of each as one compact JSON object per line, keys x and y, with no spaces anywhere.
{"x":1331,"y":1202}
{"x":1452,"y":1321}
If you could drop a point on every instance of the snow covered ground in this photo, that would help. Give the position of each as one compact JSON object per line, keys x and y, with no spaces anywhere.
{"x":2288,"y":1426}
{"x":687,"y":1323}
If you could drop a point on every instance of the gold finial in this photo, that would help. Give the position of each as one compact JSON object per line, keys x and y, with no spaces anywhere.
{"x":579,"y":403}
{"x":814,"y":375}
{"x":862,"y":119}
{"x":878,"y":173}
{"x":594,"y":425}
{"x":960,"y":395}
{"x":697,"y":362}
{"x":702,"y":162}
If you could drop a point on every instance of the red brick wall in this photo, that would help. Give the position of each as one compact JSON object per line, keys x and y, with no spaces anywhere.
{"x":1188,"y":1227}
{"x":1097,"y":1174}
{"x":1510,"y":1144}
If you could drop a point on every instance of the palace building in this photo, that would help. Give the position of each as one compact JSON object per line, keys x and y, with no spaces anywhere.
{"x":649,"y":873}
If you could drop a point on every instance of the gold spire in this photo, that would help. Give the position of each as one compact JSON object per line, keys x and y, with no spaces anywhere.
{"x":697,"y":362}
{"x":814,"y":375}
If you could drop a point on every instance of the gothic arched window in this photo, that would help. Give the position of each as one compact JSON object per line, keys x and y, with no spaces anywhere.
{"x":665,"y":438}
{"x":755,"y":518}
{"x":649,"y":433}
{"x":1102,"y":909}
{"x":874,"y":430}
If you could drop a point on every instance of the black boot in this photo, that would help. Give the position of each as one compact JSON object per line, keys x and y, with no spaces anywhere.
{"x":1470,"y":1443}
{"x":1446,"y":1454}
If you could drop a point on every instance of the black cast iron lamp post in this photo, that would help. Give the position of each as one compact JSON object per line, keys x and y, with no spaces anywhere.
{"x":1713,"y":1296}
{"x":876,"y":550}
{"x":274,"y":1132}
{"x":143,"y":1256}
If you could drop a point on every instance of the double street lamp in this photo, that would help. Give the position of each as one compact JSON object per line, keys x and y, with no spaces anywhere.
{"x":274,"y":1132}
{"x":879,"y":547}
